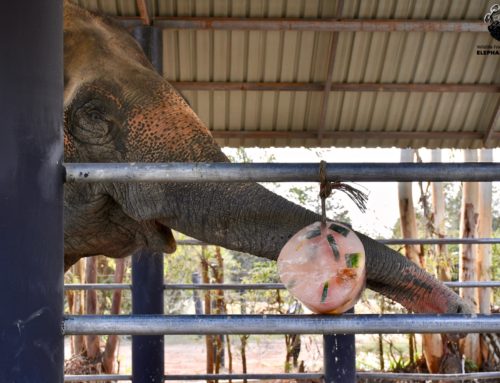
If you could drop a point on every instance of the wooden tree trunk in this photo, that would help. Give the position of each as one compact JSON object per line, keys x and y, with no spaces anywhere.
{"x":409,"y":228}
{"x":407,"y":214}
{"x":109,"y":354}
{"x":438,"y":203}
{"x":433,"y":345}
{"x":91,"y":341}
{"x":468,"y":228}
{"x":483,"y":262}
{"x":78,"y":341}
{"x":218,"y":273}
{"x":209,"y":341}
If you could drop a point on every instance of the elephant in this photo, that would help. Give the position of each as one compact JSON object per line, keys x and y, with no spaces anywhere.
{"x":118,"y":109}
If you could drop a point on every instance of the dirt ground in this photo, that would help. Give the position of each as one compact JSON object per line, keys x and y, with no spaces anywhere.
{"x":265,"y":354}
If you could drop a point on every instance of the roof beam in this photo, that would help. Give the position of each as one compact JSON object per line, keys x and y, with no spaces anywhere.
{"x":335,"y":87}
{"x":329,"y":76}
{"x":320,"y":25}
{"x":313,"y":134}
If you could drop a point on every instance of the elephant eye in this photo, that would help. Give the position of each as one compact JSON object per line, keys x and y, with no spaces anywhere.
{"x":95,"y":115}
{"x":91,"y":124}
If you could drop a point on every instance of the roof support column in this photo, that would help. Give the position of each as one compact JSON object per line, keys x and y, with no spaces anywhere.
{"x":31,"y":191}
{"x":147,"y":268}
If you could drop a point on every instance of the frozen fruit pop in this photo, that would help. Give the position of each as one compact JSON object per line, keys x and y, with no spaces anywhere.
{"x":323,"y":266}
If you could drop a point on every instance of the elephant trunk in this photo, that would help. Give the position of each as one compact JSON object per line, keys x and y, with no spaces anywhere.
{"x":400,"y":279}
{"x":249,"y":218}
{"x":245,"y":217}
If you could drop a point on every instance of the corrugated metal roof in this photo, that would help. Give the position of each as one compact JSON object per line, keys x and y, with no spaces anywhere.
{"x":353,"y":118}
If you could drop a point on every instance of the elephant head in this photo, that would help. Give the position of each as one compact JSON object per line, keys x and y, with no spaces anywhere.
{"x":118,"y":109}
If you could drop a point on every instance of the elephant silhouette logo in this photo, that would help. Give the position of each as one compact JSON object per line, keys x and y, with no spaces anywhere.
{"x":492,"y":18}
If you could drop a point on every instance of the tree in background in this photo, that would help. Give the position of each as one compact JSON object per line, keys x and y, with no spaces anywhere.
{"x":95,"y":354}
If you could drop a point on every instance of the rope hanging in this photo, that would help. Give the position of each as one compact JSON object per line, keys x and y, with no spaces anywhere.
{"x":326,"y":188}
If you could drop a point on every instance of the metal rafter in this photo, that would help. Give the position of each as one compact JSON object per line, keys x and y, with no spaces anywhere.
{"x":352,"y":135}
{"x":335,"y":87}
{"x":320,"y":25}
{"x":329,"y":77}
{"x":324,"y":25}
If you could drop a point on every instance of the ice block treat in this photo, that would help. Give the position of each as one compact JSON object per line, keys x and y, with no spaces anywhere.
{"x":323,"y":266}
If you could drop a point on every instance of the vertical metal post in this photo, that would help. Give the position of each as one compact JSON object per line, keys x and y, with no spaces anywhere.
{"x":339,"y":358}
{"x":31,"y":192}
{"x":148,"y":355}
{"x":198,"y":305}
{"x":147,"y":298}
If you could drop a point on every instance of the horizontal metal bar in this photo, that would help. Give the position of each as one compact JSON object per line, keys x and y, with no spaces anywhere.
{"x":320,"y":25}
{"x":108,"y":377}
{"x":296,"y":24}
{"x":94,"y":377}
{"x":427,"y":377}
{"x":359,"y":135}
{"x":294,"y":376}
{"x":392,"y":241}
{"x":240,"y":286}
{"x":97,"y":286}
{"x":303,"y":376}
{"x":335,"y":87}
{"x":177,"y":286}
{"x":280,"y":286}
{"x":480,"y":284}
{"x":278,"y":324}
{"x":280,"y":172}
{"x":224,"y":286}
{"x":440,"y":241}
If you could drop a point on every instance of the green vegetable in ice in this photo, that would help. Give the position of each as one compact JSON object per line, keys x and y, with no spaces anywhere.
{"x":333,"y":246}
{"x":344,"y":231}
{"x":325,"y":292}
{"x":352,"y":260}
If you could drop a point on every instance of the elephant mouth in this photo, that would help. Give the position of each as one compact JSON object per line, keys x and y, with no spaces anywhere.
{"x":159,"y":237}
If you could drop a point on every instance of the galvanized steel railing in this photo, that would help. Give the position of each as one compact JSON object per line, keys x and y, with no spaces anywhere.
{"x":281,"y":172}
{"x":300,"y":376}
{"x":266,"y":324}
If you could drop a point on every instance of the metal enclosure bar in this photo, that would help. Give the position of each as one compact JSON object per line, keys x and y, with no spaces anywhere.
{"x":239,"y":286}
{"x":302,"y":376}
{"x":433,"y":377}
{"x":31,"y":191}
{"x":281,"y":172}
{"x":279,"y":324}
{"x":335,"y":86}
{"x":392,"y":241}
{"x":320,"y":25}
{"x":148,"y":351}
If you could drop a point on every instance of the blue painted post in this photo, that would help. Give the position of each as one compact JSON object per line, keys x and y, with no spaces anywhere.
{"x":31,"y":192}
{"x":339,"y":358}
{"x":147,"y":298}
{"x":148,"y":355}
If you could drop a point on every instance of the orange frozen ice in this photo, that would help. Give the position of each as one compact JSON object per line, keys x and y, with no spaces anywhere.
{"x":323,"y":266}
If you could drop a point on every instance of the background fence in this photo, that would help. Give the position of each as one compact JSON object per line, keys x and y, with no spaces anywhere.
{"x":266,"y":324}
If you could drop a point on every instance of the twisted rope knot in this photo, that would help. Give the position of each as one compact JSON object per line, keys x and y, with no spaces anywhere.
{"x":326,"y":188}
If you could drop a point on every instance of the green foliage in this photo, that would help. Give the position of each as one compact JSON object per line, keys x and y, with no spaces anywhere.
{"x":179,"y":268}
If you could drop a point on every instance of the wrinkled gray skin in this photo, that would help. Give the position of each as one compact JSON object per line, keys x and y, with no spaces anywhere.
{"x":117,"y":109}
